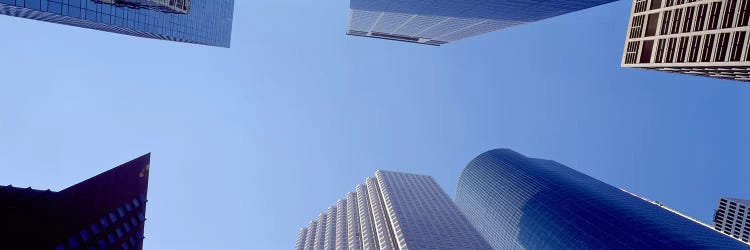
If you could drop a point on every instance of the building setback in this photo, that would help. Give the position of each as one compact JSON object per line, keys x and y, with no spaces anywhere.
{"x":106,"y":211}
{"x":393,"y":211}
{"x":199,"y":22}
{"x":696,"y":37}
{"x":440,"y":22}
{"x":517,"y":202}
{"x":732,"y":218}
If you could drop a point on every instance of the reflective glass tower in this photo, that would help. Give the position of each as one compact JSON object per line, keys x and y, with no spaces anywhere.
{"x":523,"y":203}
{"x":207,"y":22}
{"x":392,"y":211}
{"x":440,"y":22}
{"x":106,"y":211}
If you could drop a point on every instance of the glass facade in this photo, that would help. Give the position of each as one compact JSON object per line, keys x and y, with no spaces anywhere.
{"x":523,"y":203}
{"x":197,"y":21}
{"x":393,"y":211}
{"x":440,"y":22}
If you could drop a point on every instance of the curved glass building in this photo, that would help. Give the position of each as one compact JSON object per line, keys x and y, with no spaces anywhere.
{"x":524,"y":203}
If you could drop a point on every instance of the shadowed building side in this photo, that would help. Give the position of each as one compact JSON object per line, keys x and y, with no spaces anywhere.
{"x":523,"y":203}
{"x":105,"y":211}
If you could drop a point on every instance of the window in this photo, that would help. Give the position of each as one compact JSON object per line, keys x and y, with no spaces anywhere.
{"x":665,"y":22}
{"x":739,"y":40}
{"x":689,"y":12}
{"x":708,"y":46}
{"x":729,"y":14}
{"x":655,"y":4}
{"x":744,"y":13}
{"x":653,"y":20}
{"x":683,"y":49}
{"x":648,"y":46}
{"x":95,"y":229}
{"x":73,"y":242}
{"x":713,"y":19}
{"x":104,"y":222}
{"x":700,"y":19}
{"x":85,"y":235}
{"x":676,"y":21}
{"x":670,"y":49}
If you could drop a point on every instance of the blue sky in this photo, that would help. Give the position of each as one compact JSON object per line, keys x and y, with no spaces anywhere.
{"x":252,"y":142}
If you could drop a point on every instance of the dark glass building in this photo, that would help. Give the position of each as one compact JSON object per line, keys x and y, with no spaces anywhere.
{"x":106,"y":211}
{"x":524,"y":203}
{"x":207,"y":22}
{"x":440,"y":22}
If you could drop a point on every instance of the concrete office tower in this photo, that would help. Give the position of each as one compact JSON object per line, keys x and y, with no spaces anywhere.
{"x":200,"y":22}
{"x":440,"y":22}
{"x":517,"y":202}
{"x":106,"y":211}
{"x":706,"y":38}
{"x":732,"y":217}
{"x":393,"y":211}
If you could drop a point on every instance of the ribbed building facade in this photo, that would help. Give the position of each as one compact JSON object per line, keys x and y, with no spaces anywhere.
{"x":696,"y":37}
{"x":392,"y":211}
{"x":440,"y":22}
{"x":732,"y":218}
{"x":517,"y":202}
{"x":199,"y":22}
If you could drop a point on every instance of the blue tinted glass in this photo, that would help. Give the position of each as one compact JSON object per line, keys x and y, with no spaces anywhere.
{"x":524,"y":203}
{"x":204,"y":22}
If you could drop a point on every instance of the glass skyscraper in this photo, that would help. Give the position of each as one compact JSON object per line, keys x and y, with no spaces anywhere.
{"x":517,"y":202}
{"x":197,"y":21}
{"x":392,"y":211}
{"x":440,"y":22}
{"x":106,"y":211}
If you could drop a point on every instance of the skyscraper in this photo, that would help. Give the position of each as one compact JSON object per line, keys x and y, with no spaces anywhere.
{"x":200,"y":22}
{"x":706,"y":37}
{"x":517,"y":202}
{"x":440,"y":22}
{"x":392,"y":211}
{"x":106,"y":211}
{"x":732,"y":217}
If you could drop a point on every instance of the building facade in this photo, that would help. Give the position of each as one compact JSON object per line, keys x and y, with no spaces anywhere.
{"x":517,"y":202}
{"x":198,"y":21}
{"x":392,"y":211}
{"x":696,"y":37}
{"x":106,"y":211}
{"x":732,"y":218}
{"x":440,"y":22}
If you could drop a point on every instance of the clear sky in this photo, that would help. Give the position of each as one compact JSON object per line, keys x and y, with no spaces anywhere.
{"x":252,"y":142}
